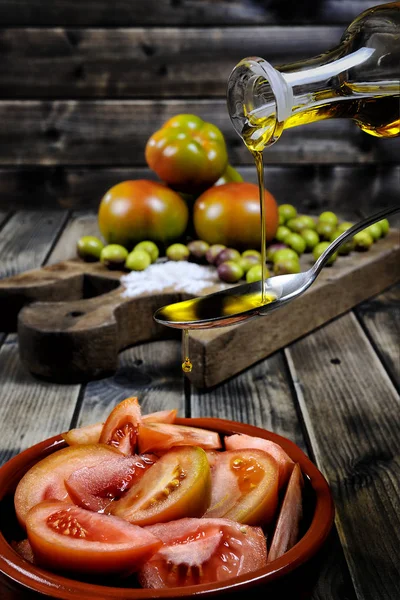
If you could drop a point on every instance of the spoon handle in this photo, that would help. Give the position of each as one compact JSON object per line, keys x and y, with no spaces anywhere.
{"x":322,"y":260}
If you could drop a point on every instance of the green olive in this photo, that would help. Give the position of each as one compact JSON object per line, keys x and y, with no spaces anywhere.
{"x":212,"y":253}
{"x":328,"y":217}
{"x":252,"y":253}
{"x":177,"y":252}
{"x":230,"y":271}
{"x":363,"y":240}
{"x":114,"y":256}
{"x":346,"y":247}
{"x":325,"y":230}
{"x":283,"y":254}
{"x":375,"y":231}
{"x":342,"y":227}
{"x":282,"y":232}
{"x":198,"y":249}
{"x":246,"y":262}
{"x":281,"y":220}
{"x":227,"y":254}
{"x":149,"y":247}
{"x":255,"y":273}
{"x":320,"y":249}
{"x":285,"y":266}
{"x":296,"y":242}
{"x":307,"y":222}
{"x":384,"y":226}
{"x":296,"y":225}
{"x":89,"y":248}
{"x":138,"y":260}
{"x":311,"y":239}
{"x":286,"y":212}
{"x":272,"y":248}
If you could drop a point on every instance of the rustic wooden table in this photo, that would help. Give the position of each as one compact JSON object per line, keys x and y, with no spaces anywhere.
{"x":334,"y":393}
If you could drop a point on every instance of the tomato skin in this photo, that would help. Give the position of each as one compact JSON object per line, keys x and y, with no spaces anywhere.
{"x":88,"y":434}
{"x":229,"y":214}
{"x":161,"y":416}
{"x":154,"y":437}
{"x":137,"y":210}
{"x":203,"y":551}
{"x":178,"y":485}
{"x":188,"y":153}
{"x":121,"y":427}
{"x":65,"y":537}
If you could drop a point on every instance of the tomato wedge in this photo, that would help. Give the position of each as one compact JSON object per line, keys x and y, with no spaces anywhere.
{"x":24,"y":549}
{"x":121,"y":427}
{"x":94,"y":488}
{"x":244,"y":487}
{"x":89,"y":434}
{"x":163,"y":436}
{"x":203,"y":551}
{"x":45,"y":480}
{"x":65,"y":537}
{"x":287,"y":527}
{"x":285,"y":463}
{"x":161,"y":416}
{"x":178,"y":485}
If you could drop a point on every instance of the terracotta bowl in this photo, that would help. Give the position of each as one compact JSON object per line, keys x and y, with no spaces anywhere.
{"x":20,"y":579}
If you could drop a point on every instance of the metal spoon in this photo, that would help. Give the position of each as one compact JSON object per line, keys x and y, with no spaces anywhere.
{"x":243,"y":302}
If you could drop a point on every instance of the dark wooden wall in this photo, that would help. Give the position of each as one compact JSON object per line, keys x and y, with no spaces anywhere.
{"x":83,"y":84}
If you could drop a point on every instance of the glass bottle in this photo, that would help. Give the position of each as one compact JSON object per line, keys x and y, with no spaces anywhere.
{"x":359,"y":79}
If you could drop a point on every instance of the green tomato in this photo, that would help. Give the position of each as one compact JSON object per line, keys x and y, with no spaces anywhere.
{"x":150,"y":248}
{"x":283,"y":254}
{"x":282,"y":232}
{"x":286,"y":266}
{"x":311,"y":239}
{"x":375,"y":231}
{"x":89,"y":248}
{"x":286,"y":212}
{"x":384,"y":226}
{"x":255,"y":273}
{"x":363,"y":240}
{"x":320,"y":249}
{"x":114,"y":256}
{"x":296,"y":242}
{"x":138,"y":260}
{"x":177,"y":252}
{"x":328,"y":217}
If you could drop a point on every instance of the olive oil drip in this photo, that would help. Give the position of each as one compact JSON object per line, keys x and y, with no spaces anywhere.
{"x":258,"y":158}
{"x":187,"y":363}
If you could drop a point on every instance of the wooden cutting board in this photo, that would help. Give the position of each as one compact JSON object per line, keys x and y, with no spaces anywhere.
{"x":73,"y":319}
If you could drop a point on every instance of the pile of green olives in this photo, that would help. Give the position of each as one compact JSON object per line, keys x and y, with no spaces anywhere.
{"x":115,"y":256}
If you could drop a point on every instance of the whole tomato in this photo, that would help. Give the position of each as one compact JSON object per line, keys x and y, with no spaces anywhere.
{"x":187,"y":153}
{"x":138,"y":210}
{"x":229,"y":214}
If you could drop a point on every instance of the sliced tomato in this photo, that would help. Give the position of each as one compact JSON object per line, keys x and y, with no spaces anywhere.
{"x":24,"y":549}
{"x":45,"y":480}
{"x":89,"y":434}
{"x":212,"y":456}
{"x":203,"y":551}
{"x":163,"y":436}
{"x":285,"y":463}
{"x":121,"y":427}
{"x":94,"y":488}
{"x":178,"y":485}
{"x":65,"y":537}
{"x":161,"y":416}
{"x":244,"y":487}
{"x":287,"y":527}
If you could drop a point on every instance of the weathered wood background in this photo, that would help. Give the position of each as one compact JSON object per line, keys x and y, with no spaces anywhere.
{"x":83,"y":84}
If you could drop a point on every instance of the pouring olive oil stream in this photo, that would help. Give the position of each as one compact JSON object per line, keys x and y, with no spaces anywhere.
{"x":359,"y":80}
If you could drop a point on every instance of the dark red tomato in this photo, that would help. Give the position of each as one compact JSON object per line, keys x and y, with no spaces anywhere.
{"x":287,"y":527}
{"x":65,"y":537}
{"x":138,"y":210}
{"x":203,"y":551}
{"x":121,"y":427}
{"x":229,"y":214}
{"x":94,"y":488}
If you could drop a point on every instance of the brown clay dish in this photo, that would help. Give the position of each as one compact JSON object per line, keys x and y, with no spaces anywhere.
{"x":19,"y":579}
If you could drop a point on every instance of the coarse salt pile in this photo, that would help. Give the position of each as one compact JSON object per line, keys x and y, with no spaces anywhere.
{"x":182,"y":276}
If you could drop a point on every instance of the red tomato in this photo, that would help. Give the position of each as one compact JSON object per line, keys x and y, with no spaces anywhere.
{"x":133,"y":211}
{"x":68,"y":538}
{"x":89,"y":434}
{"x":45,"y":480}
{"x":163,"y":436}
{"x":161,"y":416}
{"x":94,"y":488}
{"x":121,"y":427}
{"x":244,"y":487}
{"x":177,"y":486}
{"x":287,"y":527}
{"x":203,"y":551}
{"x":229,"y":214}
{"x":285,"y":463}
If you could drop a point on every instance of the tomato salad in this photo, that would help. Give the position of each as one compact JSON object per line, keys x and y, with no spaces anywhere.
{"x":174,"y":504}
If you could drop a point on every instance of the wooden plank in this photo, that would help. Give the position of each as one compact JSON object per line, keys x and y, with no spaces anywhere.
{"x":262,"y":396}
{"x":380,"y":317}
{"x":152,"y":372}
{"x":176,"y":12}
{"x":347,"y":189}
{"x":80,"y":224}
{"x":26,"y":239}
{"x":144,"y":63}
{"x":97,"y":132}
{"x":350,"y":409}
